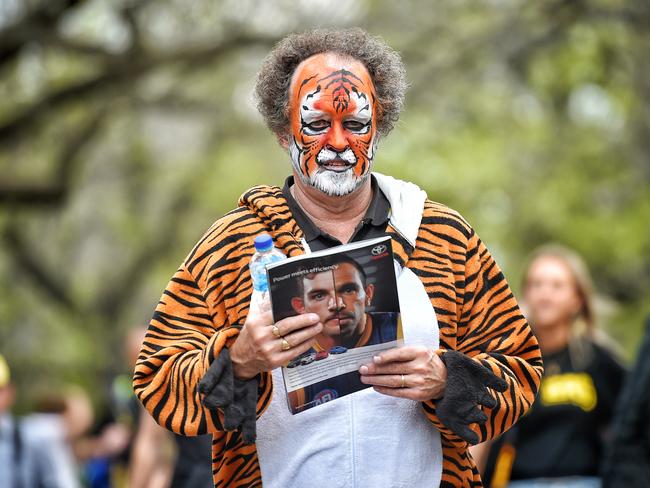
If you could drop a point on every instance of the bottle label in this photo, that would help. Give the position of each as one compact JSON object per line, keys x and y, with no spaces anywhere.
{"x":258,"y":269}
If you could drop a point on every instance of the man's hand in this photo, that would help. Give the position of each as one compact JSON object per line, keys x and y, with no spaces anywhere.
{"x":413,"y":372}
{"x":258,"y":349}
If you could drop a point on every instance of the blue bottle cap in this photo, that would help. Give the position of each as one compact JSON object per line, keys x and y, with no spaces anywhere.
{"x":263,"y":242}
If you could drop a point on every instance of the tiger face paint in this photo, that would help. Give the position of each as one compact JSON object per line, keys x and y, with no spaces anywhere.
{"x":333,"y":123}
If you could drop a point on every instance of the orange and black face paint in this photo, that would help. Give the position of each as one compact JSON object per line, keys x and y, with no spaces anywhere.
{"x":333,"y":123}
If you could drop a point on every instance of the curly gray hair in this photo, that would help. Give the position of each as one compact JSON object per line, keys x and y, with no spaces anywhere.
{"x":382,"y":62}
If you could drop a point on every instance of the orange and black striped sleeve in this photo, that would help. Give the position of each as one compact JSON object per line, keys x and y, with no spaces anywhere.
{"x":492,"y":330}
{"x":184,"y":336}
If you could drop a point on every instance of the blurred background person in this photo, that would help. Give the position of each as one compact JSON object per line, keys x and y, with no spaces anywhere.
{"x":193,"y":466}
{"x":103,"y":452}
{"x":627,"y":464}
{"x":35,"y":450}
{"x":149,"y":455}
{"x":560,"y":441}
{"x":124,"y":449}
{"x":58,"y":418}
{"x":161,"y":459}
{"x":98,"y":452}
{"x":20,"y":462}
{"x":152,"y":457}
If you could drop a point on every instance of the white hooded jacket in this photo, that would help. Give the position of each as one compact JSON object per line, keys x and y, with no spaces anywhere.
{"x":365,"y":439}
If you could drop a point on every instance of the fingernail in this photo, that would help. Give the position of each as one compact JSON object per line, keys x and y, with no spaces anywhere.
{"x":376,"y":359}
{"x":319,"y":326}
{"x":363,"y":370}
{"x":313,"y":317}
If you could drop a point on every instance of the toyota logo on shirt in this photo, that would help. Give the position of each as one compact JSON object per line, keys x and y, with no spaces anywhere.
{"x":378,"y":249}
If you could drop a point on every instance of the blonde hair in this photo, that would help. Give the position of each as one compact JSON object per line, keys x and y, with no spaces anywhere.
{"x":581,"y":279}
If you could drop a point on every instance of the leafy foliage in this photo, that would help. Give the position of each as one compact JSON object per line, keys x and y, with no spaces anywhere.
{"x":126,"y":129}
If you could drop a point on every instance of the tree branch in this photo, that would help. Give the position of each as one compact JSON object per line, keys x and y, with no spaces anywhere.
{"x":33,"y":267}
{"x":113,"y":300}
{"x":54,"y":194}
{"x":33,"y":26}
{"x":115,"y":75}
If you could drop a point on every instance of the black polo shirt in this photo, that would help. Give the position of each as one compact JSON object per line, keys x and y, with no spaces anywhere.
{"x":372,"y":225}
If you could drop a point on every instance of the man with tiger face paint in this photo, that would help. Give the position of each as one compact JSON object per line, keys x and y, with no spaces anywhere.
{"x":469,"y":366}
{"x":333,"y":131}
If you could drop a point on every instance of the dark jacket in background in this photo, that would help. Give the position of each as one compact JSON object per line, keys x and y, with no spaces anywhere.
{"x":194,"y":463}
{"x":628,"y":460}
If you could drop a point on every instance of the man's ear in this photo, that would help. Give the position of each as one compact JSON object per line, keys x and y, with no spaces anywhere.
{"x":370,"y":292}
{"x":283,"y":138}
{"x":298,"y":305}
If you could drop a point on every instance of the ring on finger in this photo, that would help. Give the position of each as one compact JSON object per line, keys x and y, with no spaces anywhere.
{"x":276,"y":331}
{"x":403,"y":384}
{"x":285,"y":346}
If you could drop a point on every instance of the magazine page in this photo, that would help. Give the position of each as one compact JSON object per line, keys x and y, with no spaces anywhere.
{"x":354,"y":291}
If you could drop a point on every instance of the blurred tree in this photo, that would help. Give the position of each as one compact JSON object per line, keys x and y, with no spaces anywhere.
{"x":127,"y":127}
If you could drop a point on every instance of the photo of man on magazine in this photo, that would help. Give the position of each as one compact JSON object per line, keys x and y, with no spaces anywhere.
{"x":353,"y":290}
{"x":340,"y":297}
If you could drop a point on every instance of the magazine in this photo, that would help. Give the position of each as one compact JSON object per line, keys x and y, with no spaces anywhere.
{"x":354,"y":291}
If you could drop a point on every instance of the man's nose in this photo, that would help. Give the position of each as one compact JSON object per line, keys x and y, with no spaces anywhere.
{"x":337,"y":141}
{"x":336,"y":303}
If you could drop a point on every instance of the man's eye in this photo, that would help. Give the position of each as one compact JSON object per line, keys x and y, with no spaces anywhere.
{"x":349,"y":289}
{"x":354,"y":125}
{"x":318,"y":125}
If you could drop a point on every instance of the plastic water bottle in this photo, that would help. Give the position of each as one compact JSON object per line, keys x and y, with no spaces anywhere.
{"x":265,"y":253}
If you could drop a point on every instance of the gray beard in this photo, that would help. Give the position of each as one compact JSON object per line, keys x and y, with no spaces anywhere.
{"x":332,"y":183}
{"x":335,"y":183}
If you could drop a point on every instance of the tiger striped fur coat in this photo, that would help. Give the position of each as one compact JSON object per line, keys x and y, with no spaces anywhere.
{"x":476,"y":311}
